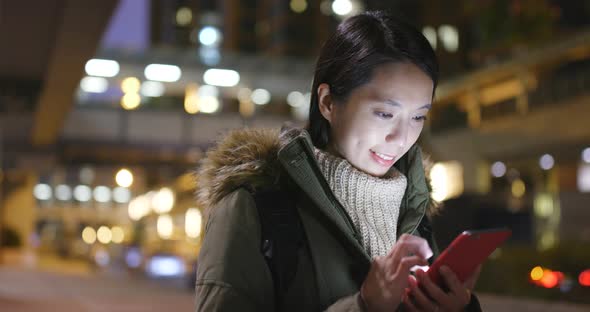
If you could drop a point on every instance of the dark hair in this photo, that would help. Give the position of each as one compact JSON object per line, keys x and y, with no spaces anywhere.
{"x":360,"y":44}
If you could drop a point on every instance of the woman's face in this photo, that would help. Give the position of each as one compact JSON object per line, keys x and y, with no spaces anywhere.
{"x":382,"y":119}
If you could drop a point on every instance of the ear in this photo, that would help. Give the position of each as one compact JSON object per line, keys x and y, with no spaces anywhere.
{"x":325,"y":102}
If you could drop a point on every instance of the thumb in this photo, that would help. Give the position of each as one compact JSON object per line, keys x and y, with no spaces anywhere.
{"x":403,"y":270}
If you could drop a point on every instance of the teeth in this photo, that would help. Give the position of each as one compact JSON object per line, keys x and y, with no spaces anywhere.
{"x":383,"y":156}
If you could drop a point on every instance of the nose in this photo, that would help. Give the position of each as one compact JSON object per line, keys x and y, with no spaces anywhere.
{"x":398,"y":134}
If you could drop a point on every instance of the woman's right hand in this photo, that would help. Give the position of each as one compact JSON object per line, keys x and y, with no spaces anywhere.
{"x":387,"y":280}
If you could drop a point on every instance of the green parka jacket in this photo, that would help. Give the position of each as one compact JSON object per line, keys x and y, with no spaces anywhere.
{"x":232,"y":274}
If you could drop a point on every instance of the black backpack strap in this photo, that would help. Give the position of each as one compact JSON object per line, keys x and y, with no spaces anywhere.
{"x":281,"y":237}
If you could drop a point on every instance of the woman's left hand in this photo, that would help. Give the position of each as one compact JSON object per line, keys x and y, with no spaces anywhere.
{"x":429,"y":297}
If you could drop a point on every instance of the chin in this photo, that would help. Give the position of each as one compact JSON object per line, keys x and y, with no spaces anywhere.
{"x":376,"y":173}
{"x":374,"y":170}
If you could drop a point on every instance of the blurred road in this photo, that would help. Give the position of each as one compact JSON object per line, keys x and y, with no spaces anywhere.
{"x":505,"y":304}
{"x":26,"y":290}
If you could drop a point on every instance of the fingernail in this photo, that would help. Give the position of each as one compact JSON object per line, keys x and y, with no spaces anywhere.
{"x":444,"y":269}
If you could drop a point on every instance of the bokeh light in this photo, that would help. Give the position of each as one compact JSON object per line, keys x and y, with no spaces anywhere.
{"x":82,"y":193}
{"x":342,"y":7}
{"x":104,"y":235}
{"x":89,"y":235}
{"x":42,"y":191}
{"x":118,"y":235}
{"x":546,"y":162}
{"x":210,"y":36}
{"x":298,"y":6}
{"x":164,"y":226}
{"x":536,"y":273}
{"x":498,"y":169}
{"x":163,"y":200}
{"x":518,"y":188}
{"x":584,"y":278}
{"x":124,"y":178}
{"x":193,"y":221}
{"x":586,"y":155}
{"x":130,"y":85}
{"x":130,"y":101}
{"x":260,"y":96}
{"x":184,"y":16}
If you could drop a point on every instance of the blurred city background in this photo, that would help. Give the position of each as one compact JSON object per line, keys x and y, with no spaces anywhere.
{"x":106,"y":108}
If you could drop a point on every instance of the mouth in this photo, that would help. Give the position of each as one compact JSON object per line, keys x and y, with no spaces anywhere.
{"x":383,"y":159}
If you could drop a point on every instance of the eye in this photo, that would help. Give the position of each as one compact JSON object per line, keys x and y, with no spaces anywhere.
{"x":383,"y":115}
{"x":419,"y":118}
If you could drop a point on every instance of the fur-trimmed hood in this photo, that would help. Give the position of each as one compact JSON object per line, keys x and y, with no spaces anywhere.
{"x":249,"y":158}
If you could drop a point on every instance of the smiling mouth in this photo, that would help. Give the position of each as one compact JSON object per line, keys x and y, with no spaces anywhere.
{"x":383,"y":156}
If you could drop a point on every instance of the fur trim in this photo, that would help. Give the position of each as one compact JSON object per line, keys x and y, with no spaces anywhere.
{"x":434,"y":206}
{"x":248,"y":158}
{"x":244,"y":158}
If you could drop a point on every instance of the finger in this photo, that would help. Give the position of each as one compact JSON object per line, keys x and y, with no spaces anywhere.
{"x":421,"y":300}
{"x":412,"y":279}
{"x":403,"y":269}
{"x":408,"y":245}
{"x":411,"y":245}
{"x":409,"y":306}
{"x":420,"y":267}
{"x":433,"y":290}
{"x":451,"y":279}
{"x":381,"y":263}
{"x":454,"y":284}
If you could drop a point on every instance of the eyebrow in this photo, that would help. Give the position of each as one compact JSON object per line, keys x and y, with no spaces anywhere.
{"x":394,"y":103}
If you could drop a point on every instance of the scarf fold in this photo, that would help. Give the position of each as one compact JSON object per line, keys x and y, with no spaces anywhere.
{"x":372,"y":203}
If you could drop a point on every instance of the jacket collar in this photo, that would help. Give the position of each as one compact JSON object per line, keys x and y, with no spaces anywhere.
{"x":296,"y":156}
{"x":298,"y":160}
{"x":257,"y":158}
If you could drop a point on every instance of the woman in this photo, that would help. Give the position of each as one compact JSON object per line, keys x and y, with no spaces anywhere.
{"x":352,"y":185}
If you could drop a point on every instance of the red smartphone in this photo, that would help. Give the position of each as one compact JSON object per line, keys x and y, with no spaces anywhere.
{"x":466,"y":252}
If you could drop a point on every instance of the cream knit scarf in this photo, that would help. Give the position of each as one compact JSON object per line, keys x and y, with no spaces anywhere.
{"x":372,"y":203}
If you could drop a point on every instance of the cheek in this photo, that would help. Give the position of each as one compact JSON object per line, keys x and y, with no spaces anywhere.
{"x":365,"y":134}
{"x":414,"y":134}
{"x":343,"y":141}
{"x":350,"y":126}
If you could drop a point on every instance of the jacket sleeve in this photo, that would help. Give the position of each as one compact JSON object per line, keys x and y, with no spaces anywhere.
{"x":232,"y":274}
{"x":473,"y":305}
{"x":352,"y":303}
